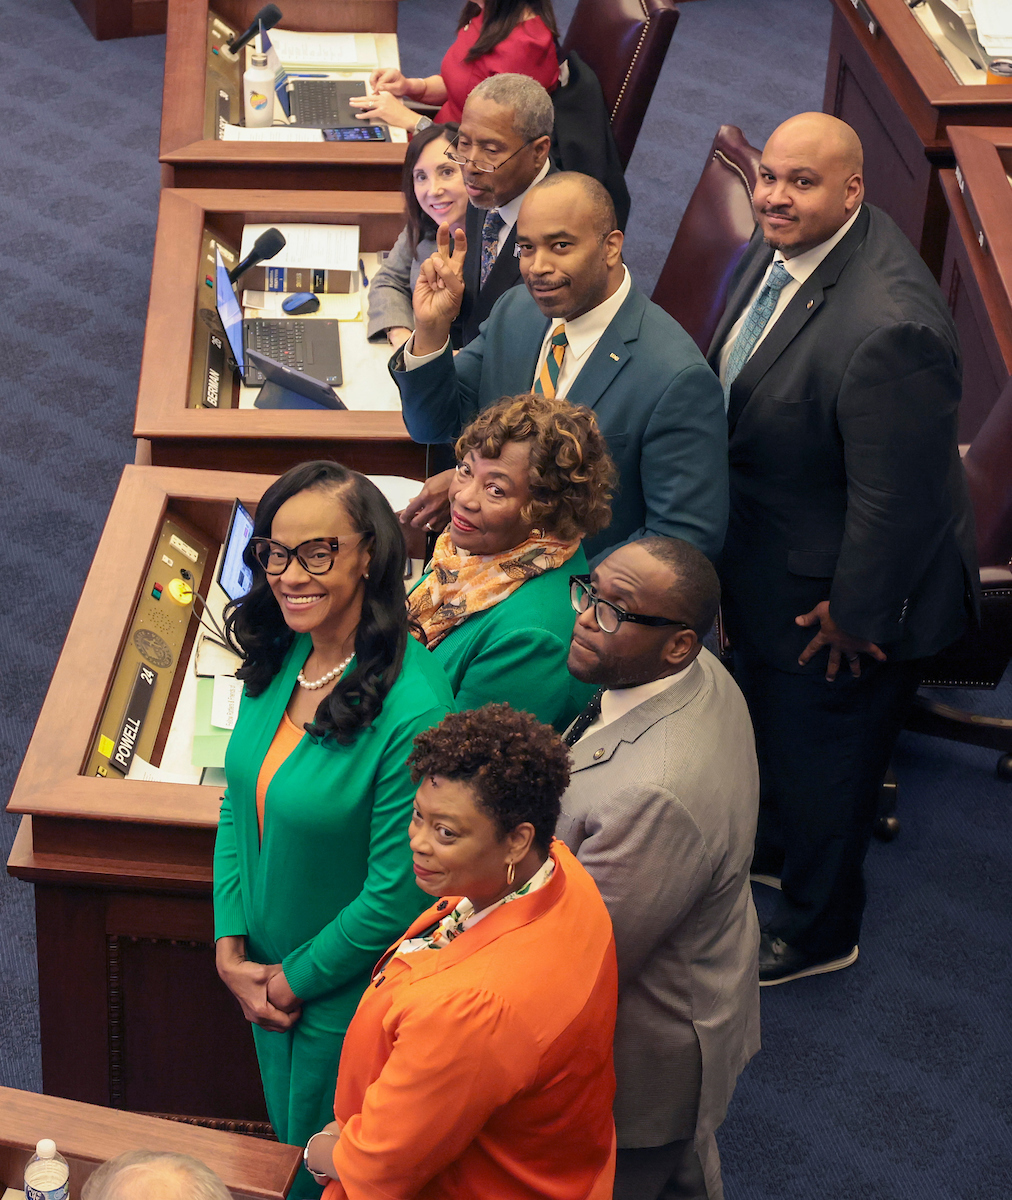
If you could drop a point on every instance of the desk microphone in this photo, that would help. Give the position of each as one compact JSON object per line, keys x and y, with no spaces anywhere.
{"x":269,"y":243}
{"x":268,"y":17}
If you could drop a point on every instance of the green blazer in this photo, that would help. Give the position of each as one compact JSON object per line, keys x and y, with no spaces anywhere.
{"x":332,"y":885}
{"x":516,"y":651}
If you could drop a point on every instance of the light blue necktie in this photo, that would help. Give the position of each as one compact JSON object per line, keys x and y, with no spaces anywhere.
{"x":755,"y":322}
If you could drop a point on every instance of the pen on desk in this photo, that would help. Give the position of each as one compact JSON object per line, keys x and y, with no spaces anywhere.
{"x":365,"y":277}
{"x":318,"y":76}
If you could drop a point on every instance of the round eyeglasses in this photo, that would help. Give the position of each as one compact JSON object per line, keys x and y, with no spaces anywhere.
{"x":455,"y":156}
{"x":607,"y":615}
{"x":316,"y":556}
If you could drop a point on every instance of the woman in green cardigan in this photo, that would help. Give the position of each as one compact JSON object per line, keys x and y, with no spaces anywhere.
{"x":533,"y":479}
{"x":311,"y":877}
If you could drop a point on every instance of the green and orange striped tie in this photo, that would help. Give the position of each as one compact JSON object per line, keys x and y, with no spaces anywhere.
{"x":549,"y":377}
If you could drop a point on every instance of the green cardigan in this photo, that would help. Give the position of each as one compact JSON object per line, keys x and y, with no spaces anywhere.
{"x":516,"y":651}
{"x":332,"y":885}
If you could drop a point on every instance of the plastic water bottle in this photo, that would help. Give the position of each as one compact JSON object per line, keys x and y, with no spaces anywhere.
{"x":258,"y":92}
{"x":47,"y":1176}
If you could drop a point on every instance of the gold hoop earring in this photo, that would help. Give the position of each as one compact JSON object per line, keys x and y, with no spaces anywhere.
{"x":511,"y":873}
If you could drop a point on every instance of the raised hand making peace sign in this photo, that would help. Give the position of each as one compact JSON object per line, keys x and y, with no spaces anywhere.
{"x":439,"y":291}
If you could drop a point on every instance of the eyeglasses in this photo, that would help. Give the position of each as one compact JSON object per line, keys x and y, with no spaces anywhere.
{"x":316,"y":556}
{"x":462,"y":160}
{"x":607,"y":615}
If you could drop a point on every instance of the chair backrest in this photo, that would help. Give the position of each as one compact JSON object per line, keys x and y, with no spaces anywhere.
{"x":624,"y":42}
{"x":714,"y":231}
{"x":988,"y":464}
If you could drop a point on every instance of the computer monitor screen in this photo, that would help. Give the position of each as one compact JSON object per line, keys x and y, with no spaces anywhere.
{"x":229,"y":309}
{"x":234,"y":576}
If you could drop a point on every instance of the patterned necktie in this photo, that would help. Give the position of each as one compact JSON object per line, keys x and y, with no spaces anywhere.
{"x":584,"y":721}
{"x":489,"y":242}
{"x":548,"y":380}
{"x":755,"y":322}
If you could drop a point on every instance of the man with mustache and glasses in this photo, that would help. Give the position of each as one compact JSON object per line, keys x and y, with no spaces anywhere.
{"x":581,"y":329}
{"x":849,"y":555}
{"x":661,"y":810}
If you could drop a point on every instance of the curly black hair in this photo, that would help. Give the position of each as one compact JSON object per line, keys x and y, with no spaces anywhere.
{"x":517,"y":767}
{"x":255,"y":627}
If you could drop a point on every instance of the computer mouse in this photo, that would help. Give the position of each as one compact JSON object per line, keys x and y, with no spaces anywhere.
{"x":301,"y":302}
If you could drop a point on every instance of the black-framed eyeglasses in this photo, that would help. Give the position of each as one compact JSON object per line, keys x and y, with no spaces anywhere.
{"x":454,"y":155}
{"x":316,"y":556}
{"x":607,"y":615}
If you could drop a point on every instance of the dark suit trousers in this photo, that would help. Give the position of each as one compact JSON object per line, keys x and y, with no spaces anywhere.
{"x":823,"y":749}
{"x":671,"y":1172}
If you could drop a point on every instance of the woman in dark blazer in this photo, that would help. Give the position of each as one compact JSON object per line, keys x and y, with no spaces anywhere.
{"x":433,"y":188}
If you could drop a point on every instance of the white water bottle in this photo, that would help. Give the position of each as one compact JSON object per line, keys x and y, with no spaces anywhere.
{"x":47,"y":1176}
{"x":258,"y":92}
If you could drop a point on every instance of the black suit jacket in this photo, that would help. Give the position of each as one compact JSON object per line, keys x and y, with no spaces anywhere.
{"x":505,"y":273}
{"x":846,"y":482}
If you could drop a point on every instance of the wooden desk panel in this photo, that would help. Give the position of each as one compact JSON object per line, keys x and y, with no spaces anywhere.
{"x":899,"y":95}
{"x":252,"y":439}
{"x":190,"y":159}
{"x":132,"y":1013}
{"x":86,"y":1135}
{"x":977,"y":270}
{"x":122,"y":18}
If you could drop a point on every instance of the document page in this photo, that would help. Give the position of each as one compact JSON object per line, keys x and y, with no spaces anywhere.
{"x":324,"y":49}
{"x":320,"y":247}
{"x":273,"y":133}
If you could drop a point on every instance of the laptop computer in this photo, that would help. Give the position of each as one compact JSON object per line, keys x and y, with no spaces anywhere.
{"x":324,"y":104}
{"x":312,"y":347}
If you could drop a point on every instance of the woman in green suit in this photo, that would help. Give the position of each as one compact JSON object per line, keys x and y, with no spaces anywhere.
{"x":311,"y":878}
{"x":533,"y":479}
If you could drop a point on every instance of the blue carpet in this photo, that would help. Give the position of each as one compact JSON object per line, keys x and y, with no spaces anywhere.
{"x":888,"y":1081}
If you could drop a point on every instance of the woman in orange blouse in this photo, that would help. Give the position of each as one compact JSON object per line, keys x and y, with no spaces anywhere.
{"x":479,"y":1062}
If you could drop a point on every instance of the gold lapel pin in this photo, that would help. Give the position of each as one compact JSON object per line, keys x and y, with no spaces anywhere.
{"x":810,"y":303}
{"x":615,"y":357}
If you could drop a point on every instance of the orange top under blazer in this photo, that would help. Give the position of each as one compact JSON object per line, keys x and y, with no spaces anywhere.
{"x":484,"y":1070}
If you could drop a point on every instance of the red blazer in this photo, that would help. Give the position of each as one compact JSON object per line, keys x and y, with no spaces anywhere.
{"x":529,"y":50}
{"x":485,"y":1069}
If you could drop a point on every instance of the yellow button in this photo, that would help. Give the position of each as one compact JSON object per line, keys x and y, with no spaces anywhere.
{"x":180,"y":591}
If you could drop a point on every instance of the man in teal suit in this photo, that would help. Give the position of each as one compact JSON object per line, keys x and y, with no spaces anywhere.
{"x":580,"y":328}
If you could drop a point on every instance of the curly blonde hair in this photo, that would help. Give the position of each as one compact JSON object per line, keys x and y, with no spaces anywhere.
{"x":571,"y":472}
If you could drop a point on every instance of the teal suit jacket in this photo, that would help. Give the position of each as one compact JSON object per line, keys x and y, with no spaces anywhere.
{"x":659,"y":406}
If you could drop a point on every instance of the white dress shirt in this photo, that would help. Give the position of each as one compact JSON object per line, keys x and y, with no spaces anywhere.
{"x":616,"y":703}
{"x":509,"y":212}
{"x":799,"y":268}
{"x":583,"y":333}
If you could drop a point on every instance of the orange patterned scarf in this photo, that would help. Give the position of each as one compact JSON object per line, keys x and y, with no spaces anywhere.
{"x":459,"y":584}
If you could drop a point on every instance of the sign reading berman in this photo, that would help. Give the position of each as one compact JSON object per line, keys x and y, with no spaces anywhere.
{"x":136,"y":710}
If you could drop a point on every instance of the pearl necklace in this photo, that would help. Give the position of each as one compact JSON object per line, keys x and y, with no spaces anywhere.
{"x":324,"y":679}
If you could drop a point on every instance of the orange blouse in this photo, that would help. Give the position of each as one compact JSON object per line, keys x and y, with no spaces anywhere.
{"x":285,"y":740}
{"x":484,"y":1069}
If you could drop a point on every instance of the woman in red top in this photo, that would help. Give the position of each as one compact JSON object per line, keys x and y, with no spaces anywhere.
{"x":494,"y":37}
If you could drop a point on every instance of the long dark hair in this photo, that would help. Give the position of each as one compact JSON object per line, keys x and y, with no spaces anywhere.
{"x":257,"y":629}
{"x":501,"y":18}
{"x":420,"y":224}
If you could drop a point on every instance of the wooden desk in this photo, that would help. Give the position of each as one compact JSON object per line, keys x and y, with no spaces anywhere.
{"x":171,"y":368}
{"x":893,"y":87}
{"x":977,"y":269}
{"x":132,"y":1012}
{"x":122,"y":18}
{"x":86,"y":1136}
{"x":190,"y":154}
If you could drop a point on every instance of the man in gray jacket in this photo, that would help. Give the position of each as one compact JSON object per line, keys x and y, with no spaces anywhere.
{"x":661,"y":810}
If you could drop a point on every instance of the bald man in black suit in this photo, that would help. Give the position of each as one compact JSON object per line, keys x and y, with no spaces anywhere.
{"x":850,"y":520}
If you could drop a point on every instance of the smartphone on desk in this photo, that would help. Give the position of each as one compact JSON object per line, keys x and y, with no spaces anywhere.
{"x":356,"y":133}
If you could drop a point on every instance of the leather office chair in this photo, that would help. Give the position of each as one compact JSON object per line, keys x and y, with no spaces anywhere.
{"x":624,"y":42}
{"x":714,"y":231}
{"x":980,"y":657}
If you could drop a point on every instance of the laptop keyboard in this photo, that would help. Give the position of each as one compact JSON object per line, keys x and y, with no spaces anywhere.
{"x":280,"y":340}
{"x":319,"y":103}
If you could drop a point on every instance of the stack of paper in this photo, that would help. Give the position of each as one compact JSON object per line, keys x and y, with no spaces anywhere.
{"x":994,"y":26}
{"x":273,"y":133}
{"x":318,"y":247}
{"x":324,"y":49}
